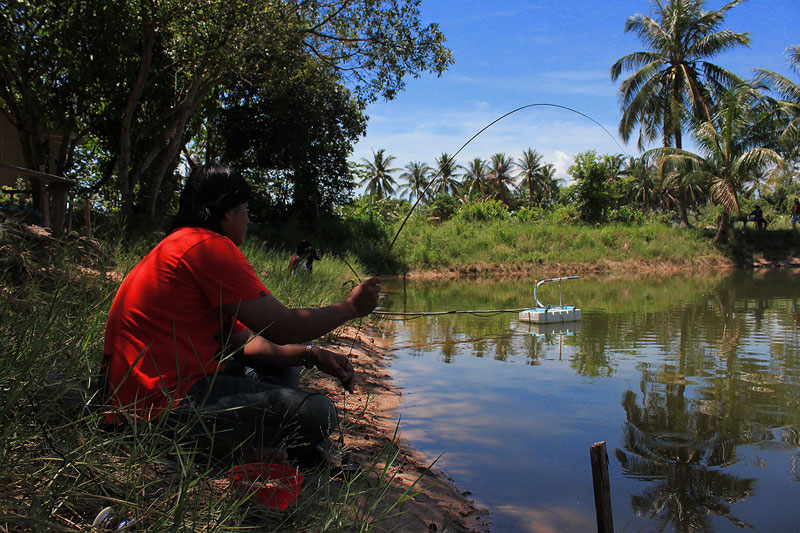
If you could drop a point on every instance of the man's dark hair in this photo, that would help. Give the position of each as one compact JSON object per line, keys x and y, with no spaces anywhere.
{"x":210,"y":191}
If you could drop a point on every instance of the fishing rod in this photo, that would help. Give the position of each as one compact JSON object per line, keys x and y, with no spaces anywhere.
{"x":452,"y":158}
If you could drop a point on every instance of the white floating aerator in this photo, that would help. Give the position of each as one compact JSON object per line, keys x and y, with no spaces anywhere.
{"x":548,"y":314}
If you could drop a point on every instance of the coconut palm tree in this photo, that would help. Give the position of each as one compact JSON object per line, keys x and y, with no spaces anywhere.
{"x":643,"y":184}
{"x":476,"y":176}
{"x":549,"y":187}
{"x":789,"y":91}
{"x":672,"y":80}
{"x":378,"y":180}
{"x":500,"y":177}
{"x":416,"y":176}
{"x":730,"y":152}
{"x":530,"y":166}
{"x":447,"y":175}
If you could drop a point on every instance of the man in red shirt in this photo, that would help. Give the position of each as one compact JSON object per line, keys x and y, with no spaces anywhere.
{"x":194,"y":333}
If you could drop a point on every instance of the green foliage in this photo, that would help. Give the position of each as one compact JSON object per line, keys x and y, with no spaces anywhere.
{"x":626,"y":215}
{"x":290,"y":125}
{"x":483,"y":211}
{"x":135,"y":77}
{"x":525,"y":214}
{"x":590,"y":194}
{"x":442,"y":207}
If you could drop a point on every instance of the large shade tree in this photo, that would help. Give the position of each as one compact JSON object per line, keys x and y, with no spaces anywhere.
{"x":290,"y":125}
{"x":673,"y":80}
{"x":148,"y":66}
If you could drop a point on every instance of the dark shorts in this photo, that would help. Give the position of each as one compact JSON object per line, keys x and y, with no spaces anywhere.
{"x":239,"y":407}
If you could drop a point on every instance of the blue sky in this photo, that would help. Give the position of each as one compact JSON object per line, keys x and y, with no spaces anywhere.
{"x":513,"y":53}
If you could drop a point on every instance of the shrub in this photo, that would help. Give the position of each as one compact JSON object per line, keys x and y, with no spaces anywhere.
{"x":484,"y":211}
{"x":626,"y":214}
{"x":442,"y":207}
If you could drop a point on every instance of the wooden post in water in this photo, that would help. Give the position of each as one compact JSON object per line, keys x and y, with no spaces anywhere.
{"x":602,"y":487}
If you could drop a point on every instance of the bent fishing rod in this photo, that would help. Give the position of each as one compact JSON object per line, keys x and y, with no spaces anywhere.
{"x":452,"y":158}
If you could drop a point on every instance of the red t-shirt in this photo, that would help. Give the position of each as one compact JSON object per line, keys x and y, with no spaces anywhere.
{"x":164,"y":327}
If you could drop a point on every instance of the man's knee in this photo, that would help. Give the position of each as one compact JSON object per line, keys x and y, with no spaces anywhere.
{"x":319,"y":417}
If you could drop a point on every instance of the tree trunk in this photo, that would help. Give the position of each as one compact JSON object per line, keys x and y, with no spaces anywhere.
{"x":124,"y":160}
{"x":723,"y":231}
{"x":683,"y":210}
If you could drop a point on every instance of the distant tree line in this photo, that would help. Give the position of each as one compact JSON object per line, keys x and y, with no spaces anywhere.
{"x":746,"y":133}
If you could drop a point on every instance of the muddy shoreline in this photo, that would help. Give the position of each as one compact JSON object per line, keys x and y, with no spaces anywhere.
{"x":369,"y":419}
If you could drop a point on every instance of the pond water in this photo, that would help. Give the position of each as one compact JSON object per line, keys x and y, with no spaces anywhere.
{"x":692,"y":381}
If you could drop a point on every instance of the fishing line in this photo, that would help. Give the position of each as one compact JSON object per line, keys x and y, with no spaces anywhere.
{"x":452,"y":158}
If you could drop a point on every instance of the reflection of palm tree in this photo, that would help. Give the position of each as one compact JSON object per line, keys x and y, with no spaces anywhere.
{"x":678,"y":451}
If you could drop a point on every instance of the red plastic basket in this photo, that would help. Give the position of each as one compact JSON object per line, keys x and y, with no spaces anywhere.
{"x":275,"y":486}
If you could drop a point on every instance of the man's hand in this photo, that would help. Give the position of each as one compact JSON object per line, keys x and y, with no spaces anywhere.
{"x":336,"y":365}
{"x":364,"y":297}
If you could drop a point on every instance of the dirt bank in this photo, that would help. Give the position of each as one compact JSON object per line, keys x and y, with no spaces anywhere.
{"x":441,"y":505}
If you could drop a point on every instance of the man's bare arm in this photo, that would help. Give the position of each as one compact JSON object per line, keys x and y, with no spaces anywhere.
{"x":274,"y":321}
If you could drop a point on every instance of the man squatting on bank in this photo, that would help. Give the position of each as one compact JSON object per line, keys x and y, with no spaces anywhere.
{"x":193,"y":331}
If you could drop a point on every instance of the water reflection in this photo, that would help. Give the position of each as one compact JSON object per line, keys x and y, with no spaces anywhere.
{"x":693,"y":381}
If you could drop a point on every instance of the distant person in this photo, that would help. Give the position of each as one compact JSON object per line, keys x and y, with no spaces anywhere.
{"x":795,"y":212}
{"x":304,"y":258}
{"x":758,"y":218}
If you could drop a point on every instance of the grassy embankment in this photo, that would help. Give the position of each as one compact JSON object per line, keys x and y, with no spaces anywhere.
{"x":58,"y":468}
{"x":552,"y":246}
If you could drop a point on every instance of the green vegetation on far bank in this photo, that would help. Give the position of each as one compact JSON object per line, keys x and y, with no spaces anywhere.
{"x":473,"y":240}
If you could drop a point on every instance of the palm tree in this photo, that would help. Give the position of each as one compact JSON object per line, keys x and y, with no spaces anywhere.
{"x":500,"y":177}
{"x":447,"y":175}
{"x":788,"y":89}
{"x":476,"y":177}
{"x":790,"y":105}
{"x":731,"y":153}
{"x":549,"y":188}
{"x":530,"y":166}
{"x":416,"y":176}
{"x":644,"y":188}
{"x":673,"y":81}
{"x":379,"y":181}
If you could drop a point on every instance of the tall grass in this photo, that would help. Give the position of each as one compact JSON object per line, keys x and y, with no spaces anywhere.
{"x":58,"y":467}
{"x":506,"y":243}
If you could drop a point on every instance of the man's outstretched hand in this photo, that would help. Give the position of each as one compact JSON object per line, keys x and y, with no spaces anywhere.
{"x":336,"y":365}
{"x":364,"y":298}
